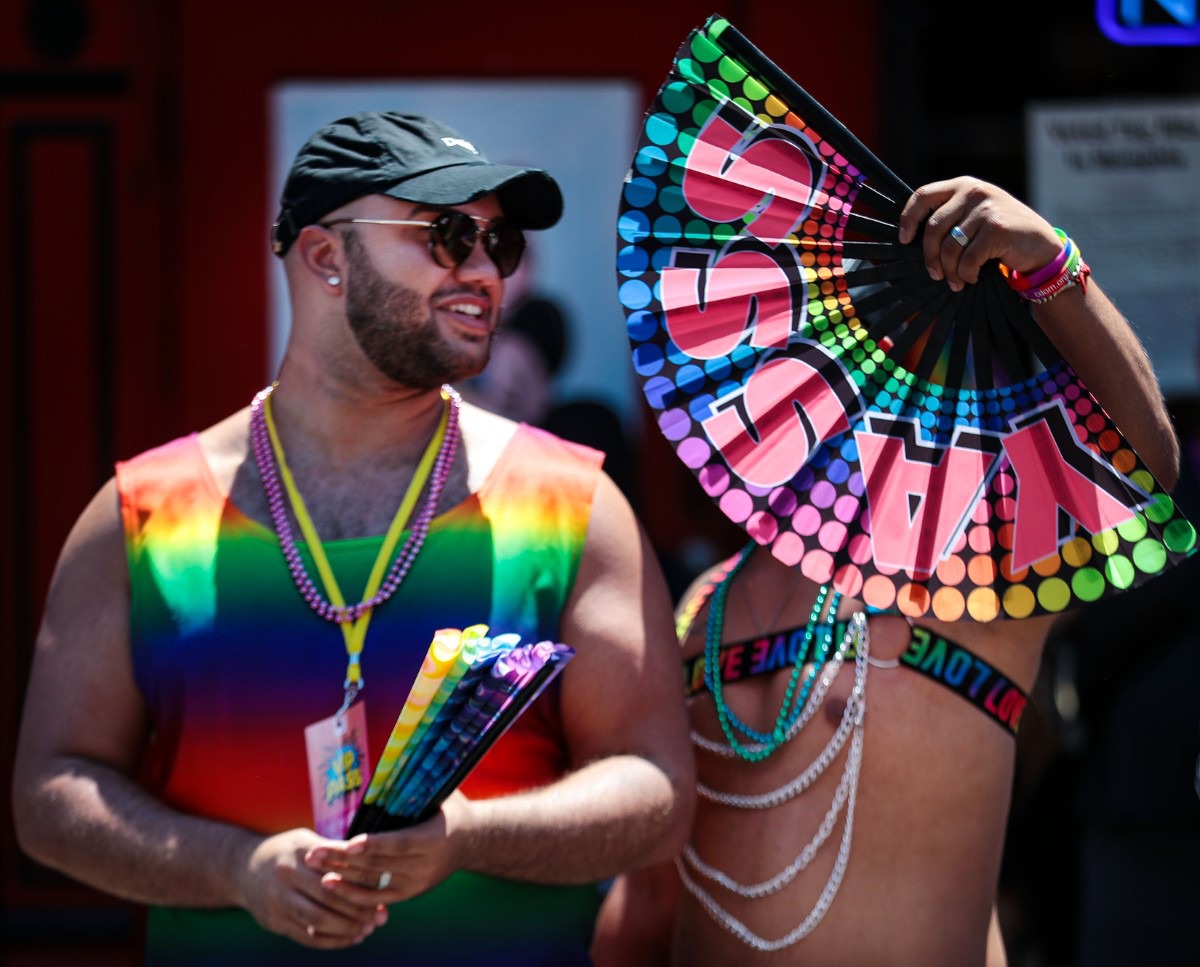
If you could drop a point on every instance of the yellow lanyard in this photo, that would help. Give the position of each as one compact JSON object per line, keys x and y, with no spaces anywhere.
{"x":354,"y":633}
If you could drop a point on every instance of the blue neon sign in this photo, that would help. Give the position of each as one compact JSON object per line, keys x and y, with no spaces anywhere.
{"x":1149,"y":23}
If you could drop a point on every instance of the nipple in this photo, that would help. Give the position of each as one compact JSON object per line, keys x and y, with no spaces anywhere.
{"x":834,"y":708}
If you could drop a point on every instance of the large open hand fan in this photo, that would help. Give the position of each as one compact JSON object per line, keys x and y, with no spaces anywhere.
{"x":925,"y":450}
{"x":469,"y":690}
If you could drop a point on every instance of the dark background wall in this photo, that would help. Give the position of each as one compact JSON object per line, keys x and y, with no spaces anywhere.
{"x":133,"y":160}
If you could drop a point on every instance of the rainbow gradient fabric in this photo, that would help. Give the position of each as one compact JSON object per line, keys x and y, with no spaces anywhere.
{"x":233,"y":665}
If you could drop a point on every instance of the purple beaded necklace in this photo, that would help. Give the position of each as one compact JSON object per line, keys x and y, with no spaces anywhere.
{"x":264,"y":457}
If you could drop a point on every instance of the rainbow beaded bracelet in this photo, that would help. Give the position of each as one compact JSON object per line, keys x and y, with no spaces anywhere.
{"x":1077,"y":274}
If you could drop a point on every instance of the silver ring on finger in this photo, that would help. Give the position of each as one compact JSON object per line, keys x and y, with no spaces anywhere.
{"x":960,"y":236}
{"x":385,"y":880}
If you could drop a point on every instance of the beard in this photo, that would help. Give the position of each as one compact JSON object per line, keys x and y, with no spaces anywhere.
{"x":396,"y":331}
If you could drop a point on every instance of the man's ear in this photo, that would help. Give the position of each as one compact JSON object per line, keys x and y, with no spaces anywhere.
{"x":319,"y":253}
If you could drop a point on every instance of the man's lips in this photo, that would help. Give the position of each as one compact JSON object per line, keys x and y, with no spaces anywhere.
{"x":474,"y":315}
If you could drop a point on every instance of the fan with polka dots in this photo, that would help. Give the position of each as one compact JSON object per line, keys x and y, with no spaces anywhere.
{"x":928,"y":451}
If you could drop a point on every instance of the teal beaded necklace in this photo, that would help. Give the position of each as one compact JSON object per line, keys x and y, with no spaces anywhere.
{"x":765,"y":744}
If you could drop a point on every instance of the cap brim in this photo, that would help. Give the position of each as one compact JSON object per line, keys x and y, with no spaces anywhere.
{"x":529,"y":197}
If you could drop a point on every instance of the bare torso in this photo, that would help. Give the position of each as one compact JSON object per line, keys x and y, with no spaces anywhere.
{"x":931,"y":805}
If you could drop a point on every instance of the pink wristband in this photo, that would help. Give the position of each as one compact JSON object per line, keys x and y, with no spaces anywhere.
{"x":1021,"y":282}
{"x":1043,"y":275}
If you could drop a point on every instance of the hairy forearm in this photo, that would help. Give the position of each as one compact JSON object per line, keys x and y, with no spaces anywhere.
{"x":98,"y":826}
{"x":1101,"y":347}
{"x":610,"y":816}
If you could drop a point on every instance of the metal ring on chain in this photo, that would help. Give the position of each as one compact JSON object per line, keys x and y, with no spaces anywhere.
{"x":385,"y":880}
{"x":960,"y":236}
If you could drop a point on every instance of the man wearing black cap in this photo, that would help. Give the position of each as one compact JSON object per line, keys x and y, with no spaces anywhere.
{"x":224,"y":602}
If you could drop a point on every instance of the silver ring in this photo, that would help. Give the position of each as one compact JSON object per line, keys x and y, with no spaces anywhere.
{"x":385,"y":880}
{"x":960,"y":236}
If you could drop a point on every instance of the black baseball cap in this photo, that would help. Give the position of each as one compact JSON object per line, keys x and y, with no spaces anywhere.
{"x":408,"y":157}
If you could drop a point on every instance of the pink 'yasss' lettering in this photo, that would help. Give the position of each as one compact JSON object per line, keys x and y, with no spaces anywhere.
{"x":774,"y":174}
{"x":920,"y":495}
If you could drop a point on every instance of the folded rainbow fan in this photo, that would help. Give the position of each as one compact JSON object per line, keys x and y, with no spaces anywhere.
{"x":925,"y":450}
{"x":469,"y":690}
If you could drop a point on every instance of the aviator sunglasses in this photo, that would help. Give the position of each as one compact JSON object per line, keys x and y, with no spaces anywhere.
{"x":452,"y":238}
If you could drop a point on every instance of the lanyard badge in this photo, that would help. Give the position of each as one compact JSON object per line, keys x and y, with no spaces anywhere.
{"x":338,"y":760}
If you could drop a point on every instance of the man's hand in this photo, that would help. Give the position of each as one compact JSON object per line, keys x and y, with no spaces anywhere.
{"x":287,"y":896}
{"x":392,"y":866}
{"x":992,"y":222}
{"x":1085,"y":327}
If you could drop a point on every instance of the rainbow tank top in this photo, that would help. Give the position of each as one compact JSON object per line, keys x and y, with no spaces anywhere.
{"x":233,"y":665}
